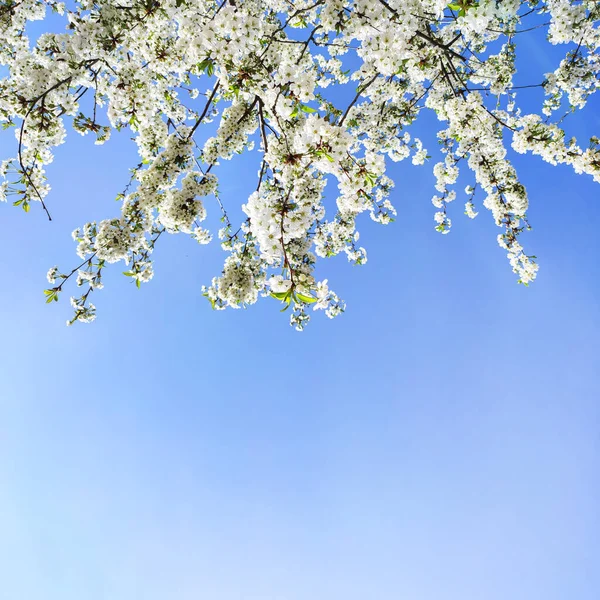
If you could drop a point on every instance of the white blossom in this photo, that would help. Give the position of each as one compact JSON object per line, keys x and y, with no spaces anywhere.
{"x":197,"y":82}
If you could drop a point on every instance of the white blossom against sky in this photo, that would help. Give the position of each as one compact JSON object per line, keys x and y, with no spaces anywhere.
{"x":437,"y":441}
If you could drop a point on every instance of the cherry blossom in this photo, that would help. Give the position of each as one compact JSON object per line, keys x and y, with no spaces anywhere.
{"x":268,"y":75}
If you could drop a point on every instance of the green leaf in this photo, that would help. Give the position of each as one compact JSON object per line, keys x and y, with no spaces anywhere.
{"x":307,"y":299}
{"x":212,"y":302}
{"x":280,"y":295}
{"x":51,"y":295}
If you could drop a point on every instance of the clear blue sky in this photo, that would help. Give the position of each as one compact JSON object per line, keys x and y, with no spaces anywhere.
{"x":439,"y":441}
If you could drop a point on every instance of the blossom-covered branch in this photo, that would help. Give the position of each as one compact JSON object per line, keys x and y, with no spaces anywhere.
{"x":264,"y":71}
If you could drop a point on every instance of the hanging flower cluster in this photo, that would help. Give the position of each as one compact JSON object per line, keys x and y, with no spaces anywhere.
{"x":269,"y":75}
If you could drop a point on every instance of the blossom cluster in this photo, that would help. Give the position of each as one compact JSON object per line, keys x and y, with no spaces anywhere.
{"x":265,"y":74}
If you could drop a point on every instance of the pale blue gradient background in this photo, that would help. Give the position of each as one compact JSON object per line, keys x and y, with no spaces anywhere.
{"x":439,"y":441}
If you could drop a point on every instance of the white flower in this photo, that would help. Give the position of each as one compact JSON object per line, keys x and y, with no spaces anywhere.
{"x":265,"y":64}
{"x":51,"y":275}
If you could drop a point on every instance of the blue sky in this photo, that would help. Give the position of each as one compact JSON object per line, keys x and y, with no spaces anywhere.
{"x":437,"y":441}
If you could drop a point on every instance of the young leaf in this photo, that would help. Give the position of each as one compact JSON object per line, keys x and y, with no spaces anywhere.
{"x":307,"y":299}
